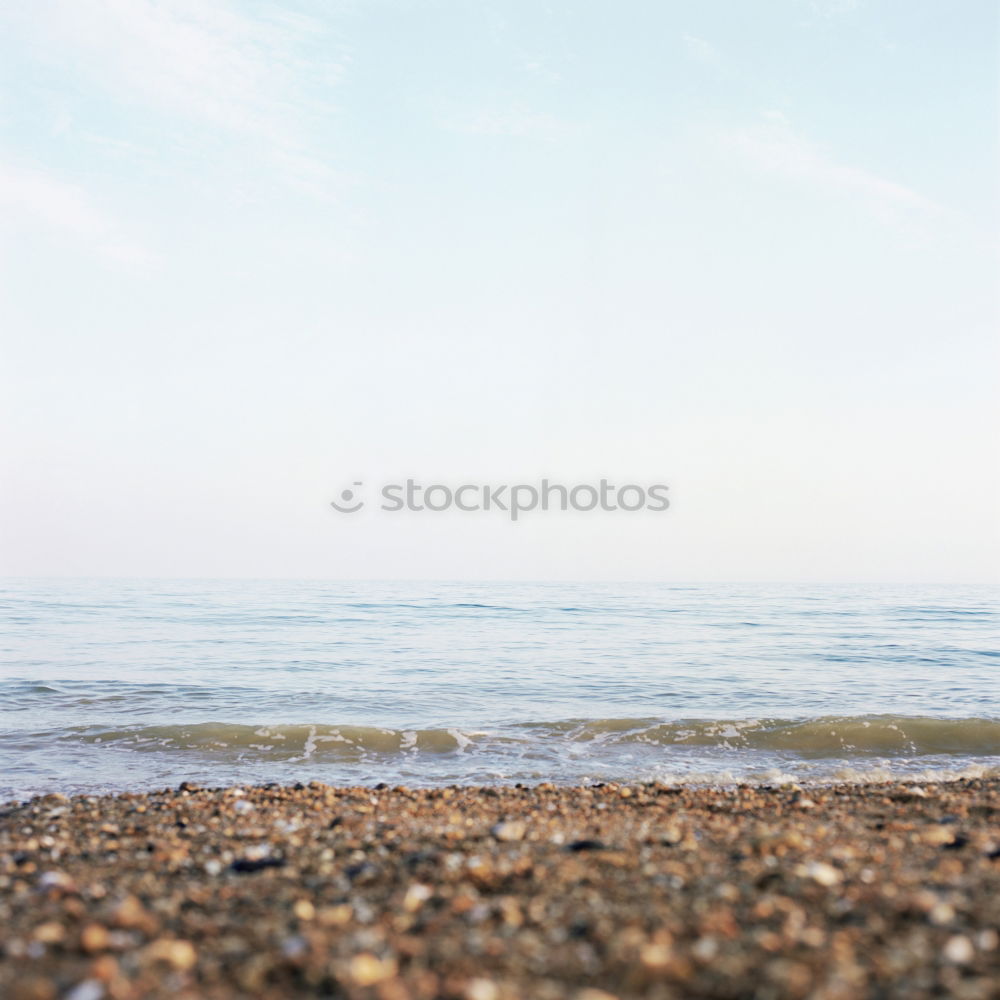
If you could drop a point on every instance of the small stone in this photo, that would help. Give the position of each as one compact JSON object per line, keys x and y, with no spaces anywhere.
{"x":180,"y":954}
{"x":509,"y":830}
{"x":304,"y":910}
{"x":511,"y":912}
{"x":416,"y":896}
{"x":294,"y":947}
{"x":129,"y":913}
{"x":575,"y":846}
{"x":987,"y":940}
{"x":656,"y":957}
{"x":335,"y":916}
{"x":50,"y":932}
{"x":938,"y":836}
{"x":104,"y":968}
{"x":481,"y":989}
{"x":812,"y":937}
{"x":820,"y":872}
{"x":89,"y":989}
{"x":705,"y":948}
{"x":367,"y":969}
{"x":959,"y":950}
{"x":56,"y":880}
{"x":255,"y":864}
{"x":93,"y":938}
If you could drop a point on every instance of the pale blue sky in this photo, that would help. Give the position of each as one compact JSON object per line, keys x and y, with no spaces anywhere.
{"x":253,"y":252}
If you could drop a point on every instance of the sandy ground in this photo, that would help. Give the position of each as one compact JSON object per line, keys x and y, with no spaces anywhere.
{"x":488,"y":893}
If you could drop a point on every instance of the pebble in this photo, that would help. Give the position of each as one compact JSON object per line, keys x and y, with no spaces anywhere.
{"x":56,"y":880}
{"x":821,"y":873}
{"x":500,"y":893}
{"x":367,"y":969}
{"x":938,"y":836}
{"x":94,"y":937}
{"x":179,"y":954}
{"x":509,"y":830}
{"x":481,"y":989}
{"x":89,"y":989}
{"x":416,"y":896}
{"x":959,"y":950}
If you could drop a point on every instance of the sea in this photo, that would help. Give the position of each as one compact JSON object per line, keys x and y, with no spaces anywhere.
{"x":131,"y":685}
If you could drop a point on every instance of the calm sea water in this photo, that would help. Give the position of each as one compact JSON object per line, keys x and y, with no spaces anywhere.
{"x":138,"y":684}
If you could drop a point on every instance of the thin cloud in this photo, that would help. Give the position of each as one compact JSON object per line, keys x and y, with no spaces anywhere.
{"x":65,"y":209}
{"x":702,"y":51}
{"x":775,"y":147}
{"x":205,"y":62}
{"x":833,"y":8}
{"x":513,"y":121}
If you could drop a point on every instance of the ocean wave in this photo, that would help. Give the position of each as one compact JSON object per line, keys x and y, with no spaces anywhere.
{"x":829,"y":736}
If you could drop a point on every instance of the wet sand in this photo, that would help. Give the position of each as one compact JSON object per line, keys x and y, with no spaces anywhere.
{"x":491,"y":893}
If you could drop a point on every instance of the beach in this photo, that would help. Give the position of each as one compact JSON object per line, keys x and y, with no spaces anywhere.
{"x":495,"y":500}
{"x":486,"y":893}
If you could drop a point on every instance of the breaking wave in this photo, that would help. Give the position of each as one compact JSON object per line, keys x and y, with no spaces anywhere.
{"x":829,"y":736}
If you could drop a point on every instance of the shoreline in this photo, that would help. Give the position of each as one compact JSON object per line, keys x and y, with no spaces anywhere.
{"x":721,"y":781}
{"x":831,"y":892}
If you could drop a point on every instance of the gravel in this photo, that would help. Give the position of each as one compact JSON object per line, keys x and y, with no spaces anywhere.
{"x":591,"y":893}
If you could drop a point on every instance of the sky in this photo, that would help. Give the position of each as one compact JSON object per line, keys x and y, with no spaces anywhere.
{"x":254,"y":253}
